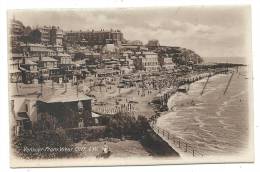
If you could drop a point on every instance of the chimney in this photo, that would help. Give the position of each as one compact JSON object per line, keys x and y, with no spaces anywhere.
{"x":40,"y":59}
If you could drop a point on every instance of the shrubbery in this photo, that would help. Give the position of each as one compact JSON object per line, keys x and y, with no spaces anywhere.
{"x":123,"y":125}
{"x":44,"y":145}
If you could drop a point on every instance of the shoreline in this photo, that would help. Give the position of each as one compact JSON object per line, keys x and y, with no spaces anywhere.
{"x":148,"y":110}
{"x":177,"y":148}
{"x":146,"y":103}
{"x":201,"y":133}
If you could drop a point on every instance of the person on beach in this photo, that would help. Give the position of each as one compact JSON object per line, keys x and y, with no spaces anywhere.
{"x":105,"y":152}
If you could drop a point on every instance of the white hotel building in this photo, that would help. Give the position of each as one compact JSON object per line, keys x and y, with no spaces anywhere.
{"x":150,"y":62}
{"x":168,"y":63}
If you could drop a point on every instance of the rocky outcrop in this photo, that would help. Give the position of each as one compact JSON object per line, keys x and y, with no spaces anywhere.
{"x":181,"y":56}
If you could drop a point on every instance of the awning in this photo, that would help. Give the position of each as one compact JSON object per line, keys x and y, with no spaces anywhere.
{"x":23,"y":69}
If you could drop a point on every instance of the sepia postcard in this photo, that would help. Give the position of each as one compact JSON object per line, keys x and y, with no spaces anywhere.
{"x":130,"y":86}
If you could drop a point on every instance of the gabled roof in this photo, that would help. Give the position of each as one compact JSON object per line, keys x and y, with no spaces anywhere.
{"x":29,"y":62}
{"x":48,"y":59}
{"x":35,"y":59}
{"x":62,"y":96}
{"x":101,"y":71}
{"x":16,"y":55}
{"x":149,"y":53}
{"x":63,"y":55}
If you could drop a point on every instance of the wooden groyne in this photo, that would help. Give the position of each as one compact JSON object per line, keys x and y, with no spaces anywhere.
{"x":229,"y":81}
{"x":164,"y":96}
{"x":183,"y":147}
{"x":204,"y":86}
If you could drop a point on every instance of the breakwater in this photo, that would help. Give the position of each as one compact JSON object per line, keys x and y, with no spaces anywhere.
{"x":162,"y":98}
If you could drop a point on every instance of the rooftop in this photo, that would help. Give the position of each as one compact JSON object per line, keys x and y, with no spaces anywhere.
{"x":15,"y":55}
{"x":32,"y":45}
{"x":63,"y":55}
{"x":48,"y":59}
{"x":149,"y":53}
{"x":101,"y":71}
{"x":29,"y":62}
{"x":94,"y":31}
{"x":62,"y":96}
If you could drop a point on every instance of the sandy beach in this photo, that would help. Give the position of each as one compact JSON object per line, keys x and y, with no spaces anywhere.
{"x":114,"y":96}
{"x":118,"y":148}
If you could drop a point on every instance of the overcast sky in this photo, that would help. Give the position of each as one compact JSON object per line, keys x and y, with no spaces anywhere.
{"x":222,"y":31}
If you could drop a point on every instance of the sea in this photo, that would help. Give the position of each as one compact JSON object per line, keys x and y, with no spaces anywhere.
{"x":235,"y":60}
{"x":215,"y":122}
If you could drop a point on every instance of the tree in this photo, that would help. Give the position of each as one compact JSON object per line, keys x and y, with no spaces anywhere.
{"x":35,"y":36}
{"x":79,"y":56}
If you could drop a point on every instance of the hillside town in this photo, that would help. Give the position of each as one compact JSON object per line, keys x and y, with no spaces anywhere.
{"x":77,"y":80}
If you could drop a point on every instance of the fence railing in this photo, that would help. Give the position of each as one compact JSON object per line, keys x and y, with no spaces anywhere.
{"x":178,"y":142}
{"x":113,"y":109}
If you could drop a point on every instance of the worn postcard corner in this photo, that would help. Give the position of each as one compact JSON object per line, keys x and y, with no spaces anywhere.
{"x":140,"y":86}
